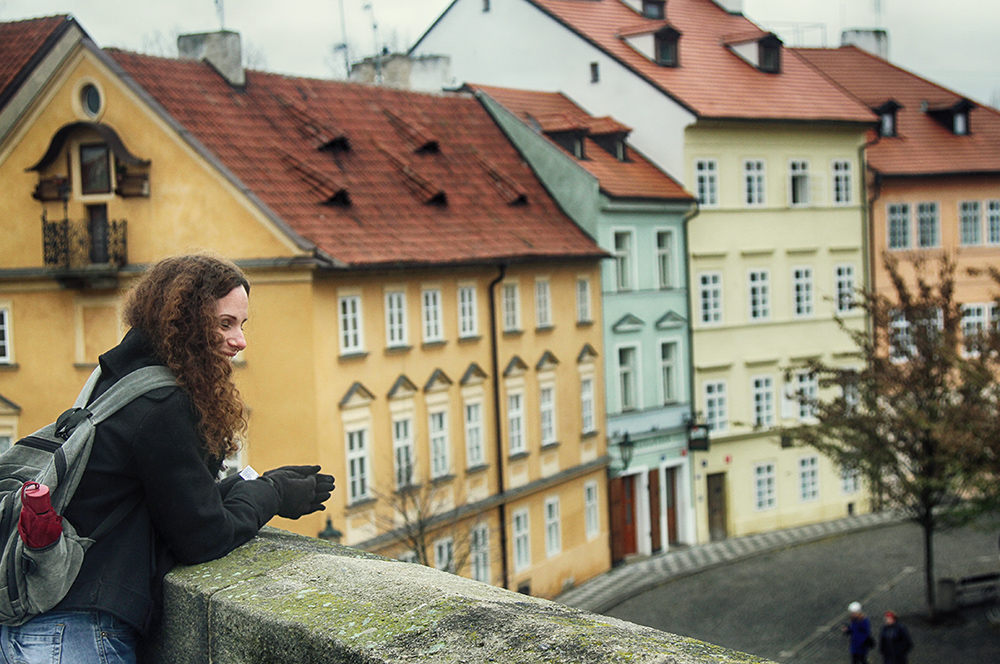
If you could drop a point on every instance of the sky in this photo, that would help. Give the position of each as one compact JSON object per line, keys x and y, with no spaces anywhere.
{"x":955,"y":43}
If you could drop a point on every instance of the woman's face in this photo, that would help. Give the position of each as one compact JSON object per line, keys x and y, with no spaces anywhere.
{"x":231,"y":311}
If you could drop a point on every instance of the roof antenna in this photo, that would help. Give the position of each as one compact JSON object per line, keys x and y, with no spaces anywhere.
{"x":342,"y":46}
{"x":378,"y":49}
{"x":221,"y":12}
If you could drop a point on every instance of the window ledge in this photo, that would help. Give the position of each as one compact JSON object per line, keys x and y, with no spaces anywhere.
{"x":477,"y":469}
{"x":398,"y":350}
{"x":588,"y":434}
{"x":429,"y":345}
{"x":545,"y":328}
{"x":584,"y":323}
{"x":357,"y":355}
{"x":550,"y":446}
{"x":517,"y":456}
{"x":90,"y":366}
{"x":441,"y":479}
{"x":513,"y":333}
{"x":9,"y":366}
{"x":357,"y":505}
{"x":470,"y":339}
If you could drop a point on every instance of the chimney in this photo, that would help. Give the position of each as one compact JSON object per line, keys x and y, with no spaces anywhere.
{"x":731,"y":6}
{"x":873,"y":40}
{"x":220,"y":49}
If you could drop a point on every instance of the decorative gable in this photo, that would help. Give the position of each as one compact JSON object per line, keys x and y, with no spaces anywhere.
{"x":403,"y":388}
{"x":628,"y":323}
{"x":437,"y":382}
{"x":8,"y":407}
{"x":474,"y":375}
{"x":587,"y":354}
{"x":547,"y":362}
{"x":357,"y":396}
{"x":516,"y":367}
{"x":670,"y":320}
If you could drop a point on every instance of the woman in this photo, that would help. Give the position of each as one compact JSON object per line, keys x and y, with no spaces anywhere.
{"x":859,"y":629}
{"x":894,"y":642}
{"x":166,"y":448}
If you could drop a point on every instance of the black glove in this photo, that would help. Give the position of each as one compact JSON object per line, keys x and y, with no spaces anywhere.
{"x":301,"y":489}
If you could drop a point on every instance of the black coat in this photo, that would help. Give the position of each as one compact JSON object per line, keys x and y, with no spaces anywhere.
{"x":895,"y":644}
{"x":151,"y":448}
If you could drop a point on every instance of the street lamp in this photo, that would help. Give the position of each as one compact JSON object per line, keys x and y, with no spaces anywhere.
{"x":626,"y":447}
{"x":329,"y":533}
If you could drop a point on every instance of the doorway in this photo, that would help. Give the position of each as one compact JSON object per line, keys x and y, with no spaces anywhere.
{"x":717,"y":516}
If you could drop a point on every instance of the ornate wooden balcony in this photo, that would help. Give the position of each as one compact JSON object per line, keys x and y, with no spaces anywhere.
{"x":86,"y":249}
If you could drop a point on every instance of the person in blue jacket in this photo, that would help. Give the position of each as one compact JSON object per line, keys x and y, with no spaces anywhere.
{"x":165,"y":448}
{"x":859,"y":630}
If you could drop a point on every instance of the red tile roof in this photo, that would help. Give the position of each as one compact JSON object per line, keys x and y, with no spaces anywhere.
{"x":22,"y":44}
{"x":922,"y":146}
{"x":373,"y":176}
{"x":712,"y":81}
{"x":553,"y":111}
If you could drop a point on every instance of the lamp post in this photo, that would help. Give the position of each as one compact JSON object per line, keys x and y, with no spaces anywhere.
{"x":329,"y":533}
{"x":626,"y":448}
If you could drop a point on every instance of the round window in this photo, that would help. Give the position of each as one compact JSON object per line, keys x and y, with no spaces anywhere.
{"x":90,"y":99}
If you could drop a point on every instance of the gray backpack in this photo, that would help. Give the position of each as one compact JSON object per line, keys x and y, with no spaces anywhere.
{"x":33,"y":581}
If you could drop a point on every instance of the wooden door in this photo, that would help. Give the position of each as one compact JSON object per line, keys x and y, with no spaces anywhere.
{"x":670,"y":489}
{"x":717,"y":516}
{"x":654,"y":510}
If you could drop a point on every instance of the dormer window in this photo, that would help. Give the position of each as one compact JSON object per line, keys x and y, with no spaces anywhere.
{"x":653,"y":8}
{"x":769,"y":49}
{"x":954,"y":118}
{"x":887,"y":118}
{"x":571,"y":141}
{"x":666,"y":42}
{"x":960,"y":124}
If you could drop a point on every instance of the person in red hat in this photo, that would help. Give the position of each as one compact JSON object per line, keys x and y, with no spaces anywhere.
{"x":895,"y":642}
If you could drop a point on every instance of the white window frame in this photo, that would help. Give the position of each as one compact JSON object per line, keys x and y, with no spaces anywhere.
{"x":799,"y":194}
{"x":803,"y":291}
{"x":765,"y":482}
{"x":516,"y":439}
{"x":624,"y":255}
{"x":403,"y":451}
{"x":444,"y":554}
{"x":710,"y":297}
{"x":468,"y":319}
{"x":547,"y":413}
{"x":543,"y":303}
{"x":433,"y":317}
{"x":844,"y":287}
{"x":588,"y":422}
{"x":669,"y":370}
{"x":6,"y":350}
{"x":628,"y":378}
{"x":395,"y":319}
{"x":842,"y":176}
{"x":479,"y":553}
{"x":707,"y":182}
{"x":974,"y":322}
{"x":809,"y":478}
{"x":993,"y":222}
{"x":583,"y":311}
{"x":759,"y":295}
{"x":553,"y":527}
{"x":898,"y":226}
{"x":511,"y":302}
{"x":666,"y":259}
{"x":850,"y":480}
{"x":807,"y":385}
{"x":521,"y":528}
{"x":928,"y":225}
{"x":440,"y":442}
{"x":970,"y":223}
{"x":591,"y":510}
{"x":351,"y":324}
{"x":716,"y":405}
{"x":754,"y":183}
{"x":762,"y":388}
{"x":358,"y":464}
{"x":472,"y":413}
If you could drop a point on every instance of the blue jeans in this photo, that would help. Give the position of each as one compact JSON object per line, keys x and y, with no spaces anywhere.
{"x":69,"y":637}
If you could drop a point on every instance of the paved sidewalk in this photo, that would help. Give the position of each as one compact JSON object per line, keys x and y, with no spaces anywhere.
{"x":621,"y":583}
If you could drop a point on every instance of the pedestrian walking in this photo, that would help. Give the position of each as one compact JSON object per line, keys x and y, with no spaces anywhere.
{"x":859,"y":630}
{"x":894,"y":642}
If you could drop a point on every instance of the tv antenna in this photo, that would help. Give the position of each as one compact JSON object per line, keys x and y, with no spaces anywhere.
{"x":342,"y":46}
{"x":221,"y":13}
{"x":378,"y":48}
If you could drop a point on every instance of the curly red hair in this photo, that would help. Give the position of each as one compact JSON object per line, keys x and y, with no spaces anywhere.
{"x":174,"y":304}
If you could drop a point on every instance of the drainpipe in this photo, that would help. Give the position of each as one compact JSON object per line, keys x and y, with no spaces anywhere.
{"x":692,"y":310}
{"x":869,"y":260}
{"x":498,"y":429}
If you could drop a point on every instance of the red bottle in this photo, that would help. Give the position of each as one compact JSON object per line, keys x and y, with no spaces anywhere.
{"x":38,"y":524}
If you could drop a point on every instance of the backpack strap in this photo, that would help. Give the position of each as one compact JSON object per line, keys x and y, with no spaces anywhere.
{"x":128,"y":388}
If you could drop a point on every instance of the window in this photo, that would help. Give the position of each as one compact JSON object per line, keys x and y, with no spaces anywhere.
{"x":716,"y":416}
{"x":845,"y":288}
{"x":899,"y":226}
{"x":665,"y":43}
{"x":583,"y":301}
{"x":900,"y":337}
{"x":444,"y":554}
{"x":710,"y":297}
{"x":474,"y":434}
{"x":402,"y":446}
{"x":468,"y":324}
{"x":543,"y":303}
{"x":587,"y":424}
{"x":973,"y":327}
{"x":515,"y":423}
{"x":395,"y":319}
{"x":765,"y":480}
{"x":799,"y":182}
{"x":511,"y":308}
{"x":769,"y":54}
{"x":850,"y":480}
{"x":553,"y":530}
{"x":5,"y":354}
{"x":887,"y":123}
{"x":5,"y":442}
{"x":960,"y":124}
{"x":802,"y":286}
{"x":438,"y":428}
{"x":928,"y":225}
{"x":595,"y":72}
{"x":547,"y":414}
{"x":479,"y":553}
{"x":753,"y":181}
{"x":763,"y":402}
{"x":668,"y":370}
{"x":522,"y":541}
{"x":993,"y":222}
{"x":707,"y":182}
{"x":970,"y":223}
{"x":628,"y":380}
{"x":806,"y":391}
{"x":433,"y":328}
{"x":350,"y":325}
{"x":760,"y":295}
{"x":357,"y":465}
{"x":591,"y":515}
{"x":95,"y":169}
{"x":665,"y":258}
{"x":652,"y":8}
{"x":809,"y":478}
{"x":90,"y":100}
{"x":623,"y":260}
{"x":842,"y":182}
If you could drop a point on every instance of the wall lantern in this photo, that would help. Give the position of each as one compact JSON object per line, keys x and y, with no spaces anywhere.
{"x":626,"y":448}
{"x":329,"y":533}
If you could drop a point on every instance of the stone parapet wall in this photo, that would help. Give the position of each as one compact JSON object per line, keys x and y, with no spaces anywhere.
{"x":286,"y":598}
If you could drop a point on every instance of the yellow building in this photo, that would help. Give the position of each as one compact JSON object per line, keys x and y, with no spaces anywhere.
{"x":423,"y":317}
